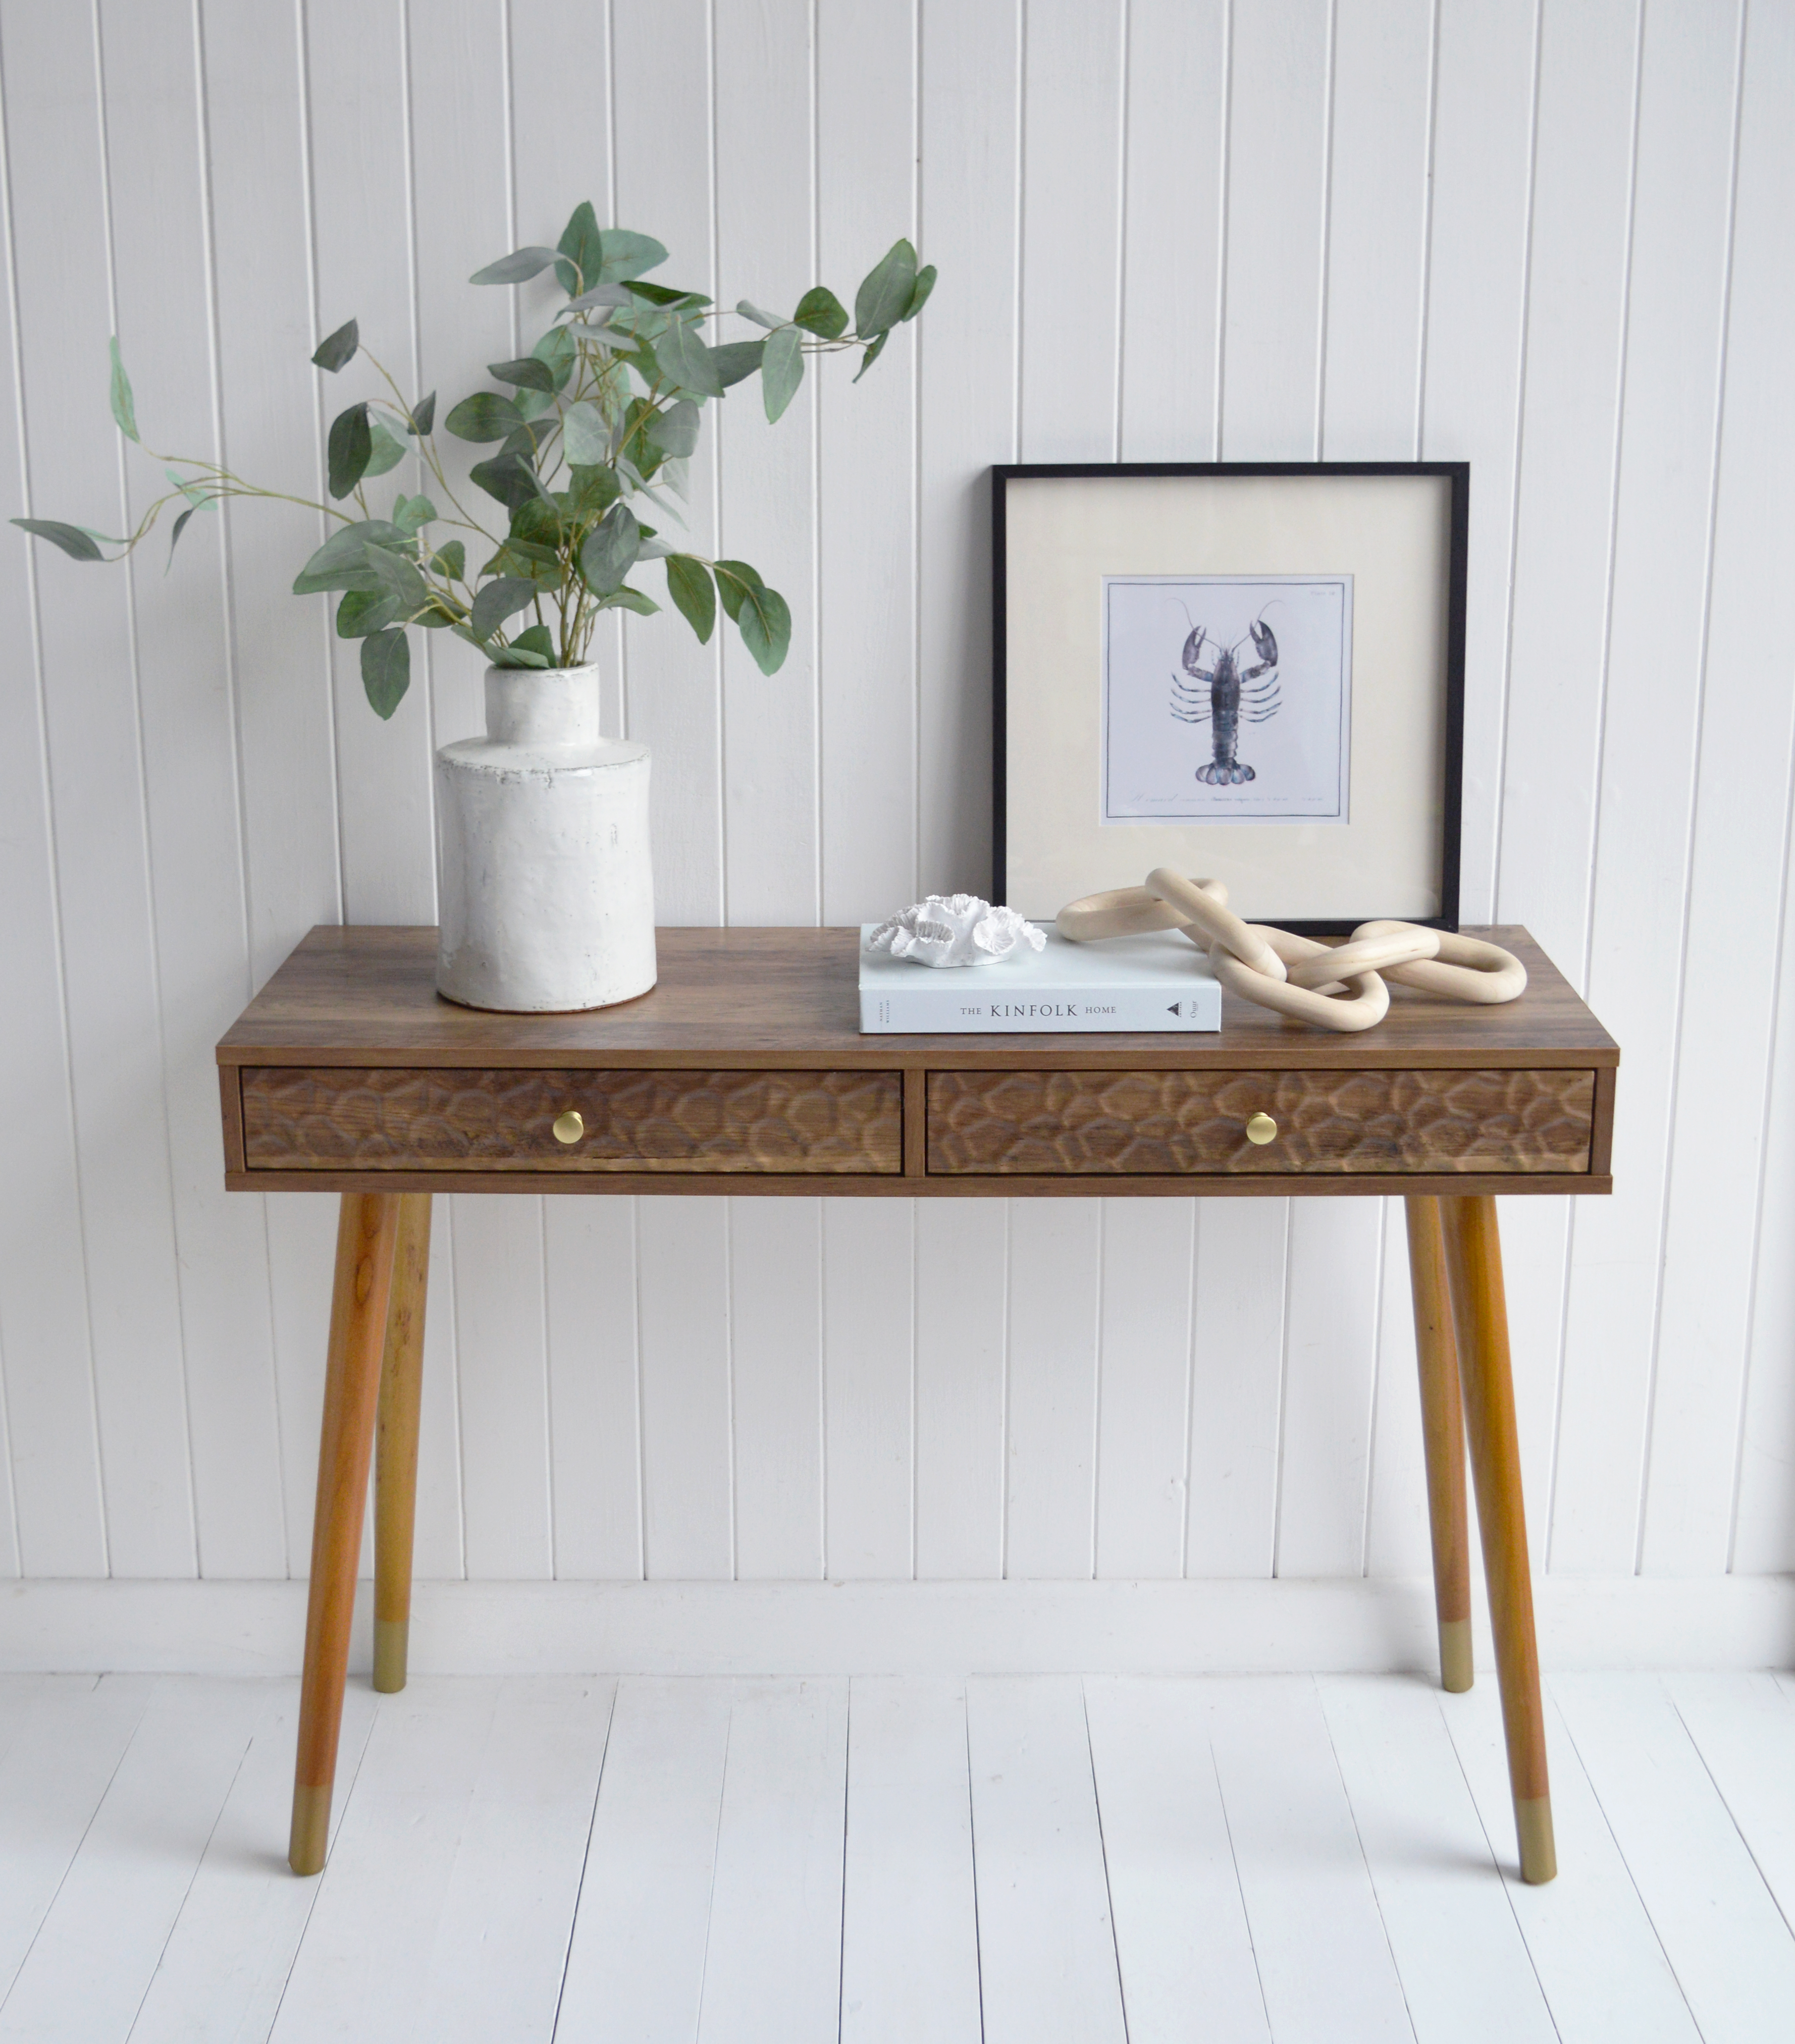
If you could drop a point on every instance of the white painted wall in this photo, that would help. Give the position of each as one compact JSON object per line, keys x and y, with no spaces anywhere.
{"x":1553,"y":241}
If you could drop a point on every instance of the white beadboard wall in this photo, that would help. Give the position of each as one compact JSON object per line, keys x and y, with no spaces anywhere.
{"x":1553,"y":239}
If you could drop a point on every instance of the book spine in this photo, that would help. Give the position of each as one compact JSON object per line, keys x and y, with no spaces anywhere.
{"x":946,"y":1011}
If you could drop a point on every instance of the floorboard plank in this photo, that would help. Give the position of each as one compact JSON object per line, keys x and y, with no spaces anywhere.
{"x":910,"y":1944}
{"x":501,"y":1949}
{"x":1186,"y":1958}
{"x":57,"y":1768}
{"x":135,"y":1865}
{"x":1743,"y":1727}
{"x":1324,"y":1959}
{"x":225,"y":1965}
{"x":1733,"y":1952}
{"x":1046,"y":1945}
{"x":363,"y":1969}
{"x":1463,"y":1962}
{"x":1598,"y":1959}
{"x":772,"y":1960}
{"x":635,"y":1964}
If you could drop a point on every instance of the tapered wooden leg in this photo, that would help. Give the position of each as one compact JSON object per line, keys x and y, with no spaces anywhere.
{"x":1474,"y":1265}
{"x":1442,"y":1437}
{"x":395,"y":1462}
{"x":367,"y":1230}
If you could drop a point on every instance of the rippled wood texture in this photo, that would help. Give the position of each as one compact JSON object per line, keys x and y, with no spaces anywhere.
{"x":1154,"y":1124}
{"x":334,"y":1117}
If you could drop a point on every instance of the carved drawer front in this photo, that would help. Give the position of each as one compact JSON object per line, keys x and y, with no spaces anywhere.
{"x":1154,"y":1124}
{"x":375,"y":1119}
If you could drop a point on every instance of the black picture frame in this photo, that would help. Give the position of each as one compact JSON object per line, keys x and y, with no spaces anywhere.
{"x":1457,"y":473}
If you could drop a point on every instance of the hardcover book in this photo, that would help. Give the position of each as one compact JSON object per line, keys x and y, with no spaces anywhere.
{"x":1157,"y":980}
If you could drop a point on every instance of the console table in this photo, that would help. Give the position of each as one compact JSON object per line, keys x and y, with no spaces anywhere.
{"x":744,"y":1071}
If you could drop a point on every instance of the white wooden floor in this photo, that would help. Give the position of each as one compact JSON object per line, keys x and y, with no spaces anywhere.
{"x":1029,"y":1860}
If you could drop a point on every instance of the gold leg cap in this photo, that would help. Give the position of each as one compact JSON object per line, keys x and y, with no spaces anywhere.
{"x":391,"y":1642}
{"x":311,"y":1829}
{"x":1533,"y":1826}
{"x":1454,"y":1654}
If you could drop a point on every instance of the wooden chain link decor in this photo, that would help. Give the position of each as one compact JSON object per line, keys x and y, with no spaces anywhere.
{"x":1335,"y":986}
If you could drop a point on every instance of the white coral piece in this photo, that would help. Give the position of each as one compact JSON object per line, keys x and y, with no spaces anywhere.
{"x":954,"y":929}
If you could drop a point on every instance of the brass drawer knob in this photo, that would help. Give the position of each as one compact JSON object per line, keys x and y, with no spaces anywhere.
{"x":569,"y":1127}
{"x":1261,"y":1128}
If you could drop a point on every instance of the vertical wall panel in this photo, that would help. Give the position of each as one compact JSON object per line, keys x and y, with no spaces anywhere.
{"x":1144,"y":1385}
{"x":1176,"y":127}
{"x":866,"y":191}
{"x":1071,"y":230}
{"x":868,"y":1255}
{"x":160,"y":265}
{"x":966,"y":385}
{"x":1289,"y":228}
{"x":87,"y":631}
{"x":594,"y":1387}
{"x":961,"y":1291}
{"x":776,"y":1352}
{"x":1277,"y":184}
{"x":765,"y":253}
{"x":1051,"y":1449}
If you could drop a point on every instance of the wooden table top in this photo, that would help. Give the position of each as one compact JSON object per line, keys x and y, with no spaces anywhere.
{"x":773,"y":998}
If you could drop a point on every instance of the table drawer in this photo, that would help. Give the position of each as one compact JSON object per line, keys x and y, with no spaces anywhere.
{"x":355,"y":1118}
{"x":1165,"y":1123}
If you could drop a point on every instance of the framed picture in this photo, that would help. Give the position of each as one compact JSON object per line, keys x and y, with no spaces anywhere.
{"x":1250,"y":671}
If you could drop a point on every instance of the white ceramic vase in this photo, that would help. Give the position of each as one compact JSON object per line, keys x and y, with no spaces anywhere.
{"x":546,"y":895}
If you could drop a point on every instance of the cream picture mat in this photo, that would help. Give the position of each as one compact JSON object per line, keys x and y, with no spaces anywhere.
{"x":1390,"y":533}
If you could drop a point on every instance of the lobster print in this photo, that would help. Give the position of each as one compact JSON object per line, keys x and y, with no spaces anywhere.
{"x":1219,"y":696}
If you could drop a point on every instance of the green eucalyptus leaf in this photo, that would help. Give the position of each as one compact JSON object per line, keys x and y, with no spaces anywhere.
{"x":586,"y":438}
{"x":73,"y":542}
{"x":735,"y":579}
{"x":609,"y":549}
{"x":782,"y":370}
{"x":188,"y":488}
{"x":341,"y":556}
{"x":423,"y":416}
{"x":919,"y":297}
{"x":665,"y":295}
{"x":363,"y":611}
{"x":820,"y":311}
{"x":350,"y":449}
{"x":686,"y":361}
{"x":529,"y":374}
{"x":497,"y":601}
{"x":537,"y":640}
{"x":511,"y":480}
{"x":450,"y":560}
{"x":485,"y":416}
{"x":752,"y":312}
{"x":631,"y":599}
{"x":764,"y":622}
{"x":675,"y":431}
{"x":387,"y":452}
{"x":594,"y":490}
{"x":386,"y":670}
{"x":538,"y":522}
{"x":508,"y":656}
{"x":873,"y":353}
{"x":518,"y":267}
{"x":124,"y":405}
{"x":625,"y":255}
{"x":693,"y":593}
{"x":885,"y":292}
{"x":337,"y":348}
{"x":181,"y":526}
{"x":558,"y":349}
{"x":411,"y":513}
{"x":600,"y":295}
{"x":736,"y":359}
{"x":583,"y":243}
{"x":398,"y":577}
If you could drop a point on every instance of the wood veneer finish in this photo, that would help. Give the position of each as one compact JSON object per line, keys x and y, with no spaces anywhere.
{"x":785,"y":1000}
{"x":303,"y":1118}
{"x":1100,"y":1124}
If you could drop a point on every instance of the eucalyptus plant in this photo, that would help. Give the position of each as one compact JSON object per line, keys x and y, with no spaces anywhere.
{"x":603,"y":413}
